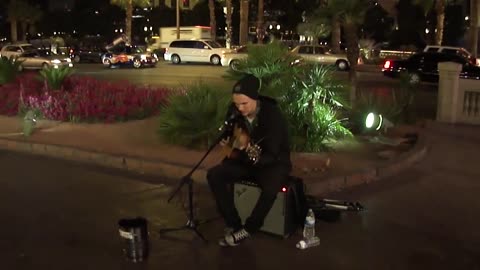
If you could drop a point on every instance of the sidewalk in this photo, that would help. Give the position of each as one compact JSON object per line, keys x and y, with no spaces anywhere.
{"x":134,"y":146}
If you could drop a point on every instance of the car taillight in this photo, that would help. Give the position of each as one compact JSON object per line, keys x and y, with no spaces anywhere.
{"x":387,"y":64}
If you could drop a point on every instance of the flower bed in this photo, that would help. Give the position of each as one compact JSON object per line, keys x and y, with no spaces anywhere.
{"x":81,"y":99}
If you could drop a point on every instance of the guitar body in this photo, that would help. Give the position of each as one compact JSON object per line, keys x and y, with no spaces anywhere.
{"x":240,"y":143}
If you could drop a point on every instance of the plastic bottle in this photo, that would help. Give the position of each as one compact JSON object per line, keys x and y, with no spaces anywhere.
{"x":304,"y":244}
{"x":309,"y":226}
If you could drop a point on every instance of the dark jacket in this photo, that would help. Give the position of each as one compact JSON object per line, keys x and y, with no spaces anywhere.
{"x":269,"y":130}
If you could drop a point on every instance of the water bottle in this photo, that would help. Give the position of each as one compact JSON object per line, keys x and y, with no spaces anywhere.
{"x":309,"y":226}
{"x":311,"y":242}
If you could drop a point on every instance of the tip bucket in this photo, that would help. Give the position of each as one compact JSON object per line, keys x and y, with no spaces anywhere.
{"x":134,"y":234}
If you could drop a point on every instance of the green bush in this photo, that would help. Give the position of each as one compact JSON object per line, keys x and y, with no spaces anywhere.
{"x":311,"y":106}
{"x":272,"y":63}
{"x":9,"y":68}
{"x":193,"y":119}
{"x":55,"y":76}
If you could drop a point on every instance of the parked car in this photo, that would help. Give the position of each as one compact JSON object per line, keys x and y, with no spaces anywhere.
{"x":231,"y":59}
{"x":424,"y":66}
{"x":15,"y":49}
{"x":130,"y":56}
{"x":87,"y":54}
{"x":321,"y":54}
{"x":35,"y":59}
{"x":203,"y":51}
{"x":453,"y":50}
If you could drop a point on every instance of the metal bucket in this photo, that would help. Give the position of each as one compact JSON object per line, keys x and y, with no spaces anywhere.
{"x":134,"y":234}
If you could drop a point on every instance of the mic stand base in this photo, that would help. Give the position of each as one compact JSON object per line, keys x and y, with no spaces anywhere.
{"x":191,"y":225}
{"x":187,"y":179}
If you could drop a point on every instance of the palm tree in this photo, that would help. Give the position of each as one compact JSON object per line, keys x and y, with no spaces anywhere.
{"x":439,"y":6}
{"x":474,"y":26}
{"x":244,"y":10}
{"x":28,"y":18}
{"x":315,"y":27}
{"x":213,"y":21}
{"x":228,"y":21}
{"x":351,"y":14}
{"x":15,"y":10}
{"x":128,"y":6}
{"x":260,"y":29}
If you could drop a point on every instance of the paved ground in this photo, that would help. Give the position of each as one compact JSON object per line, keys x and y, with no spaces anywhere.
{"x":61,"y":215}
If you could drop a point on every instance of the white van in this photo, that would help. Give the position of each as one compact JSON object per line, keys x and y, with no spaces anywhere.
{"x":187,"y":50}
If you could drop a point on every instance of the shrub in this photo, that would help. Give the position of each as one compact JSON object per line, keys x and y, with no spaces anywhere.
{"x":192,"y":118}
{"x":310,"y":106}
{"x":9,"y":68}
{"x":55,"y":76}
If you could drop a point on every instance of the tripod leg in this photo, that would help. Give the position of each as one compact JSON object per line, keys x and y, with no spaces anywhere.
{"x":191,"y":224}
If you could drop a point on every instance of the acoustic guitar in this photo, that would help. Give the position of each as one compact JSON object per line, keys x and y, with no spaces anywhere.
{"x":239,"y":142}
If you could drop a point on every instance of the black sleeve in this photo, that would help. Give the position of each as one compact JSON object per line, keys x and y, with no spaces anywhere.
{"x":275,"y":132}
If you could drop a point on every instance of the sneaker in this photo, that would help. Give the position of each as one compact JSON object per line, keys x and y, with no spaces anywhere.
{"x":228,"y":230}
{"x":234,"y":239}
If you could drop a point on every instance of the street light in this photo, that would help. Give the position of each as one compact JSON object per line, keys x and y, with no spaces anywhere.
{"x":178,"y":19}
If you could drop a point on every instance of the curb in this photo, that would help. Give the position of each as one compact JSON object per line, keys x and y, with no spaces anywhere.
{"x":126,"y":163}
{"x":175,"y":171}
{"x":369,"y":175}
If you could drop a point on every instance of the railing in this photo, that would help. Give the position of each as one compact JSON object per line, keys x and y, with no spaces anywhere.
{"x":469,"y":105}
{"x":458,"y":99}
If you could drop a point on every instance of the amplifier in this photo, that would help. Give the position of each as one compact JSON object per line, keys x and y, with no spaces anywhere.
{"x":282,"y":218}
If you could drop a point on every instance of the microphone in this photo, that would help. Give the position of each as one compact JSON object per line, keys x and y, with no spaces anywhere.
{"x":227,"y":126}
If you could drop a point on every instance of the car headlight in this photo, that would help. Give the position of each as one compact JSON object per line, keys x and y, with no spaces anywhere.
{"x":56,"y":61}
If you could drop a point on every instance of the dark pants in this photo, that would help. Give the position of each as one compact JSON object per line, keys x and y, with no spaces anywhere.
{"x":270,"y":180}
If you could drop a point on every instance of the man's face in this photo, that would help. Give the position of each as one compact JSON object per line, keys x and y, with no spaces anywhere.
{"x":245,"y":104}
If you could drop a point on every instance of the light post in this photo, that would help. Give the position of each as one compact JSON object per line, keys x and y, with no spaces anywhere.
{"x":178,"y":19}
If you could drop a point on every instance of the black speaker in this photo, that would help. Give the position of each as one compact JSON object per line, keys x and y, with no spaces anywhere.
{"x":282,"y":220}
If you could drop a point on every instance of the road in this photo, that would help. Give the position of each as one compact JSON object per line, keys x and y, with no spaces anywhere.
{"x":62,"y":215}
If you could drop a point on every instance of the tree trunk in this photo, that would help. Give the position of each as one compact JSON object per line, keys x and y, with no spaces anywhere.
{"x":213,"y":20}
{"x":260,"y":29}
{"x":24,"y":26}
{"x":440,"y":10}
{"x":243,"y":37}
{"x":128,"y":21}
{"x":352,"y":56}
{"x":335,"y":40}
{"x":13,"y":30}
{"x":473,"y":27}
{"x":228,"y":21}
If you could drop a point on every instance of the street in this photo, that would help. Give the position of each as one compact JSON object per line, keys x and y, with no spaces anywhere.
{"x":63,"y":215}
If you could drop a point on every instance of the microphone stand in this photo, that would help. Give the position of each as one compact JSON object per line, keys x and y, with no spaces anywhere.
{"x":187,"y":179}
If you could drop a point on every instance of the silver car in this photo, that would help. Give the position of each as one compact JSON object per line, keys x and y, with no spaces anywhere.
{"x":231,"y":59}
{"x":321,"y":54}
{"x":33,"y":59}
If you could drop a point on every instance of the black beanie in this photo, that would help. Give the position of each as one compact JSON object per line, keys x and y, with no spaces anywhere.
{"x":247,"y":86}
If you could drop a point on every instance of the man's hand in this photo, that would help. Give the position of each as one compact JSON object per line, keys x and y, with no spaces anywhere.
{"x":225,"y":141}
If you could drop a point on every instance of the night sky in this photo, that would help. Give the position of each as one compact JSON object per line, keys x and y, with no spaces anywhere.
{"x":54,"y":4}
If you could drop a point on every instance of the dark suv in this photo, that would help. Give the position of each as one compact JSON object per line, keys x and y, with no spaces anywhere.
{"x":91,"y":54}
{"x":424,"y":66}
